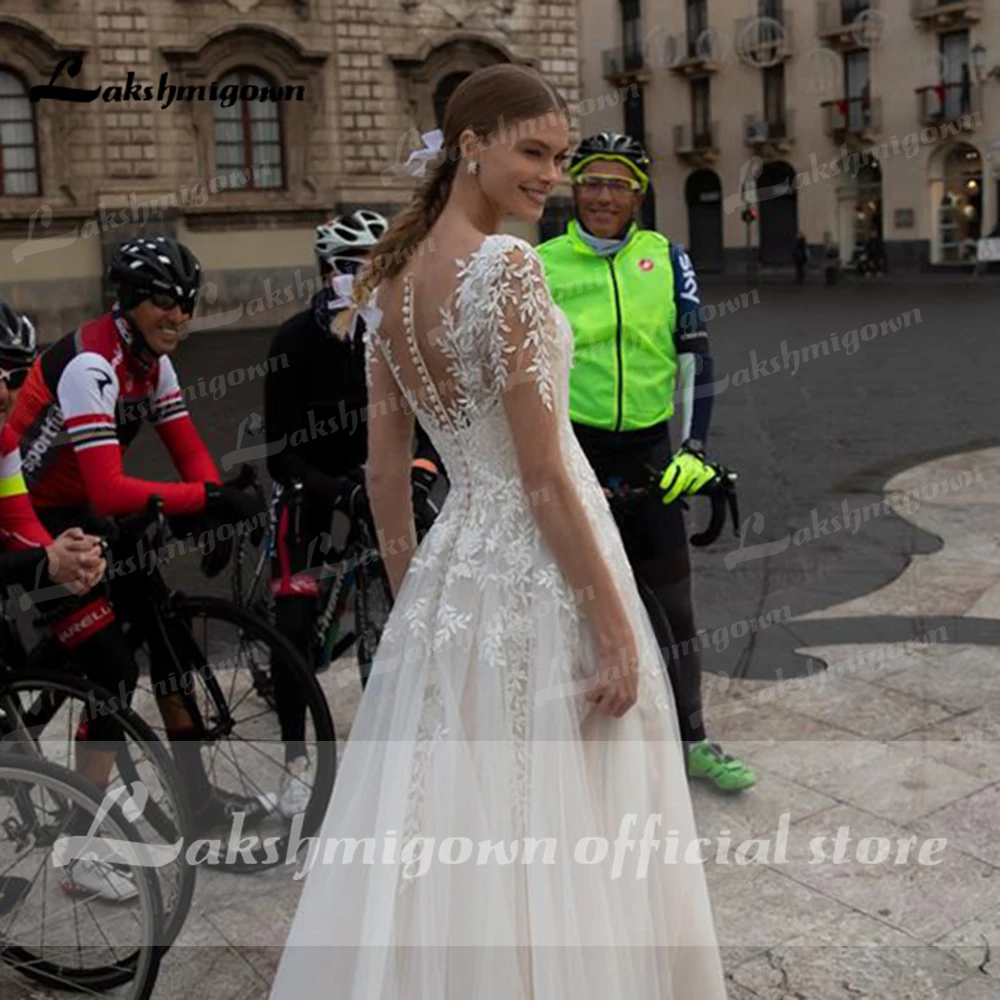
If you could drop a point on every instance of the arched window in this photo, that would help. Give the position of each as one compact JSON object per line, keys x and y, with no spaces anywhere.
{"x":18,"y":152}
{"x":443,"y":92}
{"x":247,"y":121}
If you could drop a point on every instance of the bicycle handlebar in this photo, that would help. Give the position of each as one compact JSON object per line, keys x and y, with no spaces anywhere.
{"x":721,"y":491}
{"x":247,"y":478}
{"x":136,"y":524}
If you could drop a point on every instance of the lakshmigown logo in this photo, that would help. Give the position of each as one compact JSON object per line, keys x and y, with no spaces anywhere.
{"x":166,"y":93}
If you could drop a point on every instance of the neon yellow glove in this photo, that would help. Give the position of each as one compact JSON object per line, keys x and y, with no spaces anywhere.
{"x":687,"y":473}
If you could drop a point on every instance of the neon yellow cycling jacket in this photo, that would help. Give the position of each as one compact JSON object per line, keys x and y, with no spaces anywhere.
{"x":623,"y":311}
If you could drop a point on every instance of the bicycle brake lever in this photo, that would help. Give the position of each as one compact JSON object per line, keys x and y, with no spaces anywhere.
{"x":245,"y":478}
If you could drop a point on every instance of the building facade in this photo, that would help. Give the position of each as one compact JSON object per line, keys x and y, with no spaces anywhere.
{"x":842,"y":119}
{"x":234,"y":125}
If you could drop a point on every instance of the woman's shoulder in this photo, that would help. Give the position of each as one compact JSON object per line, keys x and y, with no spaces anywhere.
{"x":503,"y":257}
{"x":508,"y":245}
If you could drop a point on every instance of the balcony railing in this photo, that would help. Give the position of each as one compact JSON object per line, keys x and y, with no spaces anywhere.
{"x":947,"y":12}
{"x":944,"y":102}
{"x":766,"y":39}
{"x":852,"y":116}
{"x":760,"y":129}
{"x":839,"y":15}
{"x":623,"y":60}
{"x":687,"y":52}
{"x":693,"y":139}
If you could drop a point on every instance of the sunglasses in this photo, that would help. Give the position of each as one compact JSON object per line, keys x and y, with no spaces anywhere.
{"x":168,"y":302}
{"x":593,"y":183}
{"x":14,"y":377}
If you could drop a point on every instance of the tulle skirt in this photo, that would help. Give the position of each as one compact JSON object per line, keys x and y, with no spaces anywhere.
{"x":489,"y":835}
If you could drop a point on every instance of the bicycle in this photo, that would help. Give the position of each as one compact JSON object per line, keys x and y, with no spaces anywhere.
{"x":358,"y":573}
{"x":217,"y":649}
{"x":40,"y":803}
{"x":47,"y":711}
{"x":232,"y":657}
{"x":721,"y":490}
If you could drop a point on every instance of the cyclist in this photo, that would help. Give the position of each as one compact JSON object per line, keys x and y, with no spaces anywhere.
{"x":80,"y":407}
{"x":315,"y":407}
{"x":72,"y":560}
{"x":632,"y":300}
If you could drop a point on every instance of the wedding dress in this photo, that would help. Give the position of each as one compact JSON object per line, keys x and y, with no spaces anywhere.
{"x":474,"y":725}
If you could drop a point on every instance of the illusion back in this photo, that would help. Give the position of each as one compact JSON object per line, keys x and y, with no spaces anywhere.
{"x":453,"y":357}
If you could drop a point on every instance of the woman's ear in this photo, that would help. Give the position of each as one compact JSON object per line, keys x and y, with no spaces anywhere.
{"x":468,"y":143}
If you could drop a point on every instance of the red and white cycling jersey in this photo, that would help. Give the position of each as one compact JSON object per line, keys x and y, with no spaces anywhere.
{"x":79,"y":409}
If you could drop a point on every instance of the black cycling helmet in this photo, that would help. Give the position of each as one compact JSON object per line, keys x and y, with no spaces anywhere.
{"x":149,"y":267}
{"x":18,"y":343}
{"x":613,"y":146}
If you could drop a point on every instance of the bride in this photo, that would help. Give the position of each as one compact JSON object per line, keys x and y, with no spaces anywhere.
{"x":511,"y":819}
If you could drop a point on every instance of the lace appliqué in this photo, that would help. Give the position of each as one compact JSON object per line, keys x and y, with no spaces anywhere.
{"x":492,"y":541}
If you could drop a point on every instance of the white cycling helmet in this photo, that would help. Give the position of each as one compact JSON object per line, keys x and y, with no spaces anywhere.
{"x":347,"y":235}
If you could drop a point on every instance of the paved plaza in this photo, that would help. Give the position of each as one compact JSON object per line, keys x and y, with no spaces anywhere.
{"x":893,"y":746}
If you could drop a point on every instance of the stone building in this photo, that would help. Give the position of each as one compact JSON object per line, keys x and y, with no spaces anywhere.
{"x":241,"y":179}
{"x":852,"y":117}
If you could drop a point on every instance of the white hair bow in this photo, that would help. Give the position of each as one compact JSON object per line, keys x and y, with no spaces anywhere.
{"x":416,"y":163}
{"x":347,"y":323}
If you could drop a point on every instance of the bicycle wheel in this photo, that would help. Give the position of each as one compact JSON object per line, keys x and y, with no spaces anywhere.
{"x":79,"y":943}
{"x":250,"y":577}
{"x":373,"y":602}
{"x":219,"y":648}
{"x":49,"y":711}
{"x":251,"y":574}
{"x":658,"y":619}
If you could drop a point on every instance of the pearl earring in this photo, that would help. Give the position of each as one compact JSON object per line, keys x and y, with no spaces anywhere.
{"x":473,"y":166}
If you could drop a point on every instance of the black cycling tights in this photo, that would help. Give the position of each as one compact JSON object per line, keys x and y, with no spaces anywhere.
{"x":106,"y":658}
{"x":301,"y":546}
{"x":655,"y":539}
{"x":683,"y":658}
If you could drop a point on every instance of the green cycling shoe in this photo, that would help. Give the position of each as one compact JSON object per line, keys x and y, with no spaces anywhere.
{"x":706,"y":760}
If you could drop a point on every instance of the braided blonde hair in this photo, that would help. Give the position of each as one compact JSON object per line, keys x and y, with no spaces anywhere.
{"x":488,"y":101}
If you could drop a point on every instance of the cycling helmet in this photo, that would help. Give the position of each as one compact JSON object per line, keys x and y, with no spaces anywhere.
{"x":18,"y":343}
{"x":348,"y":235}
{"x":613,"y":146}
{"x":155,"y":265}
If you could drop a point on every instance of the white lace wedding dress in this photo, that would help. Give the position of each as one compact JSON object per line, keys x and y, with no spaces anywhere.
{"x":474,"y":725}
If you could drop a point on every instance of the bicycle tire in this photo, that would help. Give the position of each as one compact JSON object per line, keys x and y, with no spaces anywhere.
{"x":144,"y":963}
{"x":187,"y":609}
{"x":659,"y":622}
{"x":373,"y":603}
{"x":179,"y":881}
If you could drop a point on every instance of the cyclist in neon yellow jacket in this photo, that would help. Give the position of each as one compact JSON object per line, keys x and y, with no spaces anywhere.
{"x":632,"y":299}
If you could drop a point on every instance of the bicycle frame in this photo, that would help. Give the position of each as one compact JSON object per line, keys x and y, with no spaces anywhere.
{"x":268,"y":548}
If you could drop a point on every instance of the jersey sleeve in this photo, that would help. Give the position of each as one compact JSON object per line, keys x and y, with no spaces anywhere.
{"x":691,"y":333}
{"x":177,"y":431}
{"x":88,"y":396}
{"x":87,"y":393}
{"x":693,"y":352}
{"x":20,"y":527}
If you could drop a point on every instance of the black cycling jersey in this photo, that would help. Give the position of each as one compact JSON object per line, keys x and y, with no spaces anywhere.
{"x":315,"y":405}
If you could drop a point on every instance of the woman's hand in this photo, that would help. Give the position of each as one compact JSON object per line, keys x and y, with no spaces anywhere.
{"x":75,"y":561}
{"x":616,"y":687}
